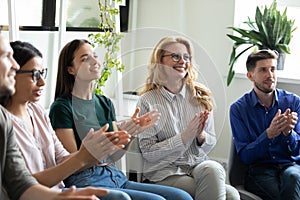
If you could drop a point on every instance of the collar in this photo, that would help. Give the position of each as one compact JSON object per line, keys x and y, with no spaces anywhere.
{"x":255,"y":100}
{"x":170,"y":96}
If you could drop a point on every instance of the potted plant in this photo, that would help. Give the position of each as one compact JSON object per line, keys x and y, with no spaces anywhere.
{"x":109,"y":40}
{"x":270,"y":30}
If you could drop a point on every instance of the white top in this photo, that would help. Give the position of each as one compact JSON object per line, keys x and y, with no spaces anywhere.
{"x":162,"y":147}
{"x":42,"y":149}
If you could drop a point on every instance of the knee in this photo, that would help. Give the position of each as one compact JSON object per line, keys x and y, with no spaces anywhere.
{"x":293,"y":179}
{"x":232,"y":193}
{"x":211,"y":167}
{"x":117,"y":195}
{"x":181,"y":194}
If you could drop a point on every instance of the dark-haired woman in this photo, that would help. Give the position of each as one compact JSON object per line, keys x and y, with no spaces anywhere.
{"x":77,"y":108}
{"x":45,"y":157}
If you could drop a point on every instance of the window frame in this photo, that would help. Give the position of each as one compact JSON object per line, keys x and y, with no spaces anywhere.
{"x":49,"y":14}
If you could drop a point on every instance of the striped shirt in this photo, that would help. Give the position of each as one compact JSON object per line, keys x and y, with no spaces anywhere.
{"x":162,"y":148}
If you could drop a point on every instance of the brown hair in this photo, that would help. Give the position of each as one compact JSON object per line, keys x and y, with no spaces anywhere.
{"x":65,"y":81}
{"x":259,"y":55}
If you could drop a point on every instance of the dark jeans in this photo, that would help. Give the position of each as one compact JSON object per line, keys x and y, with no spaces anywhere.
{"x":274,"y":181}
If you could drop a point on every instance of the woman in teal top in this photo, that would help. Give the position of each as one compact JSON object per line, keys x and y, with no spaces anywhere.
{"x":83,"y":112}
{"x":76,"y":109}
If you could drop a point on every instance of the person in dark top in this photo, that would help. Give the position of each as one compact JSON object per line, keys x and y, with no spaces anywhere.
{"x":77,"y":108}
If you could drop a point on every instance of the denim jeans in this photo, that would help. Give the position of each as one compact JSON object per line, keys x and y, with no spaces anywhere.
{"x":112,"y":178}
{"x":274,"y":181}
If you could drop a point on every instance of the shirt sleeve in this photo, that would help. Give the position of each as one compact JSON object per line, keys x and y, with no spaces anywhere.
{"x":112,"y":110}
{"x":210,"y":139}
{"x":154,"y":150}
{"x":16,"y":178}
{"x":61,"y":114}
{"x":60,"y":151}
{"x":248,"y":149}
{"x":293,"y":139}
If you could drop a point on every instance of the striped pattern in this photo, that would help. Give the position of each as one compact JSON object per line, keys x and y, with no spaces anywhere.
{"x":162,"y":148}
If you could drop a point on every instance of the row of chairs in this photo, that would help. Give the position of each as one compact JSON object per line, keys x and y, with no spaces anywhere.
{"x":236,"y":169}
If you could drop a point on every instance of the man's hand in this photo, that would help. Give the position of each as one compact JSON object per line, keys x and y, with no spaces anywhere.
{"x":275,"y":129}
{"x":88,"y":193}
{"x":290,"y":122}
{"x":282,"y":123}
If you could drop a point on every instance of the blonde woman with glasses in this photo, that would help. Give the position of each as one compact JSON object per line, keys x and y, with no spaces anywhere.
{"x":175,"y":151}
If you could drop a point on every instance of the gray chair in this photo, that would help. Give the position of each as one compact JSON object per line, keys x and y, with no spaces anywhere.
{"x":134,"y":162}
{"x":236,"y":171}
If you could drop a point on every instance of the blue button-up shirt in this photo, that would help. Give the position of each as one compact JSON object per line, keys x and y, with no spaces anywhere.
{"x":249,"y":121}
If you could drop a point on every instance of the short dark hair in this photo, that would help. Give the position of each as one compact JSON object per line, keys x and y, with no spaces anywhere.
{"x":260,"y":55}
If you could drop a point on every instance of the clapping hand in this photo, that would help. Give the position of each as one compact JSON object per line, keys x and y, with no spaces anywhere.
{"x":138,"y":124}
{"x":88,"y":193}
{"x":195,"y":128}
{"x":203,"y":117}
{"x":282,"y":123}
{"x":100,"y":144}
{"x":290,"y":122}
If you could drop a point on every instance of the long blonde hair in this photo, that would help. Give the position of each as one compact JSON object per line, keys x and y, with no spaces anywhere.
{"x":156,"y":80}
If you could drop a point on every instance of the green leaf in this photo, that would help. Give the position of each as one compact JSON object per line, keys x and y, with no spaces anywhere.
{"x":271,"y":29}
{"x":109,"y":40}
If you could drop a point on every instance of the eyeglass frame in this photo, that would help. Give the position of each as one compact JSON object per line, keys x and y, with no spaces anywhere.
{"x":181,"y":57}
{"x":34,"y":72}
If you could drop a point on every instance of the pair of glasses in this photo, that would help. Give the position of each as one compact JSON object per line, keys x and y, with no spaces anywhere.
{"x":36,"y":75}
{"x":176,"y":57}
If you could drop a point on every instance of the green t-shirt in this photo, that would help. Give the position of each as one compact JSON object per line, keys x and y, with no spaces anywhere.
{"x":82,"y":115}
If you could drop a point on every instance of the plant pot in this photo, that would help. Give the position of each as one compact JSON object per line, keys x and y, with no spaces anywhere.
{"x":280,"y":61}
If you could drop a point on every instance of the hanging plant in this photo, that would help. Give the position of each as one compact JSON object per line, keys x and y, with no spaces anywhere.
{"x":109,"y":40}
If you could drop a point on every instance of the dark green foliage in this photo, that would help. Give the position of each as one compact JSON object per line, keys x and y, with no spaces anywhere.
{"x":271,"y":29}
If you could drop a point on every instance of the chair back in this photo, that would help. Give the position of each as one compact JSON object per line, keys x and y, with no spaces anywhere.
{"x":236,"y":168}
{"x":134,"y":162}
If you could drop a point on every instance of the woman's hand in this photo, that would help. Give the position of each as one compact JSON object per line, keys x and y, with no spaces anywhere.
{"x":100,"y":144}
{"x":195,"y":128}
{"x":203,"y":117}
{"x":147,"y":120}
{"x":138,"y":124}
{"x":191,"y":131}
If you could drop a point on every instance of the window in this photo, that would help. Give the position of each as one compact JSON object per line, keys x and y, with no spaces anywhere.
{"x":43,"y":15}
{"x":82,"y":13}
{"x":243,"y":11}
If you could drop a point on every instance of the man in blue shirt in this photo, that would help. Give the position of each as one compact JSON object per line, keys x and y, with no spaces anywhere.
{"x":266,"y":131}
